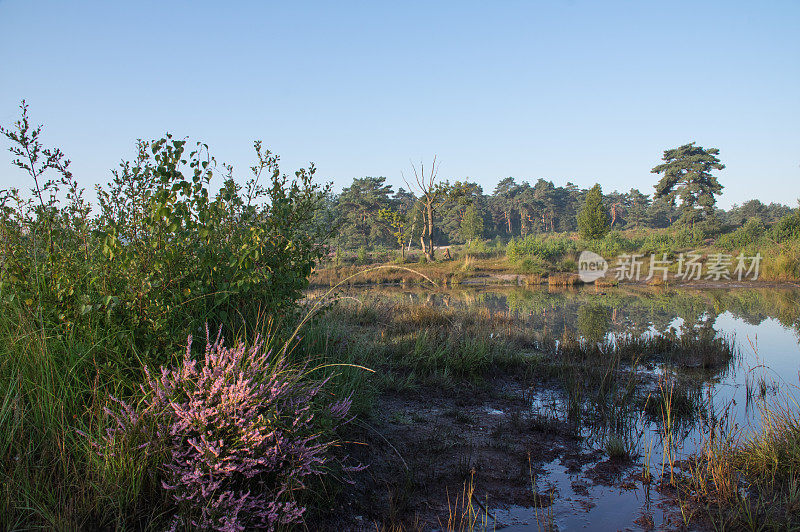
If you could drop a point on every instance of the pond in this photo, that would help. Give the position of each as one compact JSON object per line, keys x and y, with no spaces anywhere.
{"x":764,"y":323}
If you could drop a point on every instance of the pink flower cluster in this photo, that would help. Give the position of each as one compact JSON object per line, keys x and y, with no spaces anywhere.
{"x":236,"y":431}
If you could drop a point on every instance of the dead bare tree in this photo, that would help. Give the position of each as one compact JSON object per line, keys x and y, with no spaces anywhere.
{"x":430,"y":193}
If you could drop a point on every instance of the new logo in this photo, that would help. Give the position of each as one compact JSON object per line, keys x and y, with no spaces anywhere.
{"x":591,"y":266}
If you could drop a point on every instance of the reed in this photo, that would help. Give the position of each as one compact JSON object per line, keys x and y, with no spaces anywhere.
{"x":750,"y":479}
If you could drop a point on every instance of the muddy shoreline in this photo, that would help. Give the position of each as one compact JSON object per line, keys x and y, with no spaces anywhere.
{"x":424,"y":450}
{"x":519,"y":279}
{"x":471,"y":391}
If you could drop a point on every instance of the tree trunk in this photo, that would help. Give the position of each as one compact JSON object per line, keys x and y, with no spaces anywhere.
{"x":429,"y":253}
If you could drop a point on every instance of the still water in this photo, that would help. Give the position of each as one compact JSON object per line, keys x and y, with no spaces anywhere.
{"x":764,"y":324}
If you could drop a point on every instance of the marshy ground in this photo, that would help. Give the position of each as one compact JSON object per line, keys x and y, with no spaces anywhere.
{"x":555,"y":409}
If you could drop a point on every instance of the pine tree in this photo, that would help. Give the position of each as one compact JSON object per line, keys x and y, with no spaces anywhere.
{"x":505,"y":194}
{"x":593,"y":222}
{"x":687,"y":175}
{"x":358,"y":206}
{"x":638,"y":208}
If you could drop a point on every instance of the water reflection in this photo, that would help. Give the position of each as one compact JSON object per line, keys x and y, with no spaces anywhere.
{"x":765,"y":323}
{"x":629,"y":405}
{"x":593,"y":313}
{"x":594,"y":322}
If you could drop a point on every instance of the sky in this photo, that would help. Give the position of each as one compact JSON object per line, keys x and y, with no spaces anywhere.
{"x":580,"y":91}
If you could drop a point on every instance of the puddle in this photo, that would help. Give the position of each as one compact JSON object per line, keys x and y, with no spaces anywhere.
{"x":765,"y":324}
{"x":578,"y":504}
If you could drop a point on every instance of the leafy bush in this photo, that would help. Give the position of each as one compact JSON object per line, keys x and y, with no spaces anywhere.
{"x":86,"y":297}
{"x":498,"y":243}
{"x":657,"y":243}
{"x":496,"y":248}
{"x":533,"y":246}
{"x":478,"y":248}
{"x":688,"y":237}
{"x":613,"y":244}
{"x":567,"y":265}
{"x":711,"y":226}
{"x":787,"y":228}
{"x":233,"y":434}
{"x":170,"y":251}
{"x":533,"y":265}
{"x":46,"y":243}
{"x":164,"y":255}
{"x":361,"y":255}
{"x":747,"y":235}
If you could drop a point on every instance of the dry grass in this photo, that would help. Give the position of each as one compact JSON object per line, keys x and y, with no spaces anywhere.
{"x":462,"y":516}
{"x":783,"y":265}
{"x":750,"y":480}
{"x":465,"y":513}
{"x":445,"y":272}
{"x":564,"y":279}
{"x":606,"y":282}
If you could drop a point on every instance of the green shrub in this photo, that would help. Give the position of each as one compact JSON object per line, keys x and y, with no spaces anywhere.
{"x":657,"y":243}
{"x":47,"y":246}
{"x":361,"y":255}
{"x":612,"y":245}
{"x":534,"y":246}
{"x":783,"y":264}
{"x":533,"y":265}
{"x":496,"y":247}
{"x":171,"y":252}
{"x":593,"y":220}
{"x":744,"y":237}
{"x":87,"y":300}
{"x":164,"y":255}
{"x":498,"y":243}
{"x":567,"y":265}
{"x":787,"y":228}
{"x":688,"y":237}
{"x":711,"y":226}
{"x":478,"y":248}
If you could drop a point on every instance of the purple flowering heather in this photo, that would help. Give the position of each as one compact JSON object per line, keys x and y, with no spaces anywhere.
{"x":237,"y":433}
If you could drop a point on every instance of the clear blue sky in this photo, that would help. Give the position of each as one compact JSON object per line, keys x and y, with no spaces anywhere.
{"x":566,"y":90}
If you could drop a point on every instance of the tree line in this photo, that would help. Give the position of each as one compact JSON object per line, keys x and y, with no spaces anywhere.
{"x":429,"y":211}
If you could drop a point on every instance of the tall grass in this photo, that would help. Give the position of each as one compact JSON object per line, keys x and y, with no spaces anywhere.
{"x":53,"y":385}
{"x":89,"y":300}
{"x":411,"y":344}
{"x":57,"y":388}
{"x":782,"y":264}
{"x":750,"y":480}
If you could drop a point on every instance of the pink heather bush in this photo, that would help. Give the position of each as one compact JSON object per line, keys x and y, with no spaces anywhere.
{"x":236,"y":433}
